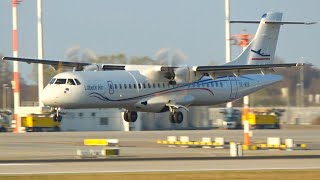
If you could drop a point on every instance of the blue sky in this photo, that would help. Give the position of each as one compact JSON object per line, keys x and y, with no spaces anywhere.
{"x":142,"y":27}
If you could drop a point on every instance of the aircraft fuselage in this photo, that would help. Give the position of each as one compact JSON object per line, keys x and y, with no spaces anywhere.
{"x":133,"y":91}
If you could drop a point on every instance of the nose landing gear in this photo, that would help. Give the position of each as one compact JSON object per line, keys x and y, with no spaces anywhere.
{"x":57,"y":117}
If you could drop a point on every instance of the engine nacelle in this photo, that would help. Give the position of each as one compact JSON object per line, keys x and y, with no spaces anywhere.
{"x":92,"y":67}
{"x":185,"y":75}
{"x":156,"y":74}
{"x":172,"y":75}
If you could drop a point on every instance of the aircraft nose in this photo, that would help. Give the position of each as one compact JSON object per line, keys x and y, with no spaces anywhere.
{"x":47,"y":97}
{"x":44,"y":96}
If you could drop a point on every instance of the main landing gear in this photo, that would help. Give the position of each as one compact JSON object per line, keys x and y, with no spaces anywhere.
{"x":130,"y":116}
{"x":57,"y":117}
{"x":176,"y":117}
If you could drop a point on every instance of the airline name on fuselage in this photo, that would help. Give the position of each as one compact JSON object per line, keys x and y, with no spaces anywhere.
{"x":93,"y":87}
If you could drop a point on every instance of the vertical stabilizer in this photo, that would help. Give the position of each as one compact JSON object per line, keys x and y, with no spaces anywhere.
{"x":261,"y":49}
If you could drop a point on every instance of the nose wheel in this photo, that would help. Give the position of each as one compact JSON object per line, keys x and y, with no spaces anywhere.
{"x":57,"y":118}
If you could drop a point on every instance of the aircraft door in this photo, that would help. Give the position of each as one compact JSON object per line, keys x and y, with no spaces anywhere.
{"x":233,"y":87}
{"x":111,"y":88}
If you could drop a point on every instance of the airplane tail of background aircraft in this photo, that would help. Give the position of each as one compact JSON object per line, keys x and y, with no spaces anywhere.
{"x":261,"y":50}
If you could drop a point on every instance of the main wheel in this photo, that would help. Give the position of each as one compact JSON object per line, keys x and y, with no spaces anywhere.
{"x":132,"y":116}
{"x":125,"y":116}
{"x":171,"y":118}
{"x":178,"y":117}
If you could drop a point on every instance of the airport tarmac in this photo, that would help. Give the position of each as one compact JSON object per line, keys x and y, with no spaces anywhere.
{"x":158,"y":166}
{"x":48,"y":152}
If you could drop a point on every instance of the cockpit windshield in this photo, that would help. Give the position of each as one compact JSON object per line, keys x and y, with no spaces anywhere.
{"x":71,"y":82}
{"x":77,"y":81}
{"x":60,"y":81}
{"x":52,"y":80}
{"x":65,"y":81}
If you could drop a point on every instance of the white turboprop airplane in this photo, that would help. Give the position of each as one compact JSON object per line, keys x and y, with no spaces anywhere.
{"x":156,"y":88}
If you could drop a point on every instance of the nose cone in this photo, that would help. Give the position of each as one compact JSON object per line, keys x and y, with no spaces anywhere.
{"x":47,"y":97}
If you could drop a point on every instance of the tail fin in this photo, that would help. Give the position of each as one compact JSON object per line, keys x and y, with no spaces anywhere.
{"x":261,"y":49}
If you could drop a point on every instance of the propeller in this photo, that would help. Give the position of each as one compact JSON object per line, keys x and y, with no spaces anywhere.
{"x":171,"y":58}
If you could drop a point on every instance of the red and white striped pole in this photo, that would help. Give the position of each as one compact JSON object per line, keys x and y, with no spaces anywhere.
{"x":16,"y":84}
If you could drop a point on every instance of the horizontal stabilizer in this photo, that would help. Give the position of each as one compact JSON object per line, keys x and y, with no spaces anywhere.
{"x":274,"y":22}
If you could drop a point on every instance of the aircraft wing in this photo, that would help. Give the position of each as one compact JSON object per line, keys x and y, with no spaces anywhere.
{"x":243,"y":67}
{"x":55,"y":64}
{"x":82,"y":65}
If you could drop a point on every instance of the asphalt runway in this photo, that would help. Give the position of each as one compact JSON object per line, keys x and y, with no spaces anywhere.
{"x":42,"y":153}
{"x":157,"y":166}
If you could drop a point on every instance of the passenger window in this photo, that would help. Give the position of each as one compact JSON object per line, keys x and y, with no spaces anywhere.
{"x":159,"y":86}
{"x":149,"y":86}
{"x":130,"y":86}
{"x":120,"y":86}
{"x":134,"y":86}
{"x":153,"y":85}
{"x":125,"y":86}
{"x":77,"y":81}
{"x":60,"y":81}
{"x":208,"y":84}
{"x":221,"y":84}
{"x":139,"y":86}
{"x":163,"y":85}
{"x":52,"y":80}
{"x":115,"y":86}
{"x":212,"y":84}
{"x":217,"y":84}
{"x":71,"y":82}
{"x":144,"y":85}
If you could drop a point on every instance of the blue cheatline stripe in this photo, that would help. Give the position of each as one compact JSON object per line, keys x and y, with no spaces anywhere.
{"x":200,"y":82}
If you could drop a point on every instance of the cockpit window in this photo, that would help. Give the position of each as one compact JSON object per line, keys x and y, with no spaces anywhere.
{"x":60,"y":81}
{"x":77,"y":81}
{"x":52,"y":80}
{"x":71,"y":82}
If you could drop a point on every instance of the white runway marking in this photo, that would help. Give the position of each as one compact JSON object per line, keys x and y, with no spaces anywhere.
{"x":18,"y":164}
{"x":164,"y":170}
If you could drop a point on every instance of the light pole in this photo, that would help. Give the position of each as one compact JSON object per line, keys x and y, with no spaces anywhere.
{"x":227,"y":29}
{"x":40,"y":50}
{"x":301,"y":84}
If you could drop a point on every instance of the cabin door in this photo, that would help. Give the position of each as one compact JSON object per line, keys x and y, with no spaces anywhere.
{"x":233,"y":87}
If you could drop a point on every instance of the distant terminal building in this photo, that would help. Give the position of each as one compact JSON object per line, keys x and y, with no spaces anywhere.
{"x":96,"y":120}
